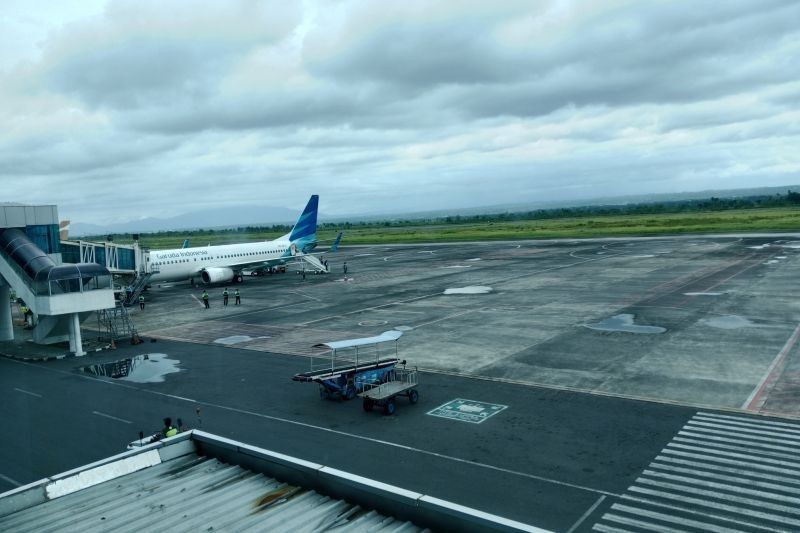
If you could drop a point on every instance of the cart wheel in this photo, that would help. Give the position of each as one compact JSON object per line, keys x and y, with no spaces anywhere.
{"x":350,"y":393}
{"x":368,"y":404}
{"x":389,"y":407}
{"x":413,"y":396}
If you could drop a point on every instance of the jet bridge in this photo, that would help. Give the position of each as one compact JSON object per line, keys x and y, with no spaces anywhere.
{"x":58,"y":295}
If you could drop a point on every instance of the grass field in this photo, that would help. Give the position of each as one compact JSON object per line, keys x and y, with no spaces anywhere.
{"x":747,"y":220}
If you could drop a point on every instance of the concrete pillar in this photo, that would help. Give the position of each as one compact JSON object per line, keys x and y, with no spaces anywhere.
{"x":6,"y":327}
{"x":75,"y":342}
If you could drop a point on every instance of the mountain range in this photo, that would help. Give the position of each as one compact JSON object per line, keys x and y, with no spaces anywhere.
{"x":228,"y":217}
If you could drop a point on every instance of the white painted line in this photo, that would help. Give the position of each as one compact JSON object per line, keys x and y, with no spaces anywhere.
{"x":704,"y":513}
{"x":732,"y":436}
{"x":749,"y":419}
{"x":10,"y":481}
{"x":454,"y":315}
{"x":98,"y":413}
{"x":686,"y":522}
{"x":647,"y":526}
{"x":28,"y":392}
{"x":586,"y":514}
{"x":741,"y":456}
{"x":180,"y":398}
{"x":735,"y":462}
{"x":758,"y":503}
{"x":745,"y":431}
{"x":201,"y":304}
{"x":306,"y":295}
{"x":723,"y":477}
{"x":769,"y":451}
{"x":744,"y":426}
{"x":713,"y":505}
{"x":787,"y":481}
{"x":690,"y":482}
{"x":608,"y":529}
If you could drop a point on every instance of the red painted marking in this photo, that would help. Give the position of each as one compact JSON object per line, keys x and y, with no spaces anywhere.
{"x":754,"y":402}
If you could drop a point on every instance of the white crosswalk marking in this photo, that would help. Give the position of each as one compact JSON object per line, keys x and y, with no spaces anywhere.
{"x":720,"y":473}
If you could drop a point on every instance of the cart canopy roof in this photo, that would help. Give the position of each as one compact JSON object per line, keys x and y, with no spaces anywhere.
{"x":386,"y":336}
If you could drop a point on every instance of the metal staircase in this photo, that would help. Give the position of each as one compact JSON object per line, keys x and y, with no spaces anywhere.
{"x":115,"y":323}
{"x":139,"y":284}
{"x":314,"y":262}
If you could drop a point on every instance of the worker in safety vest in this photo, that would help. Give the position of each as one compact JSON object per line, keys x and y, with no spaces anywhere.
{"x":169,"y":430}
{"x":141,"y":302}
{"x":238,"y":297}
{"x":205,"y":298}
{"x":225,"y":297}
{"x":23,"y":309}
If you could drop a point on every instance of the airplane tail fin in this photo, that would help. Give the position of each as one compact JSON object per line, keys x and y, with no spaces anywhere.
{"x":304,"y":232}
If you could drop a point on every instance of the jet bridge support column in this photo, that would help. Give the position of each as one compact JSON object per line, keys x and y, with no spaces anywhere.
{"x":75,"y":342}
{"x":6,"y":327}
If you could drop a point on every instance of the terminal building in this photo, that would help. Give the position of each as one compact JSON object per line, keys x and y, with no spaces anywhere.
{"x":56,"y":284}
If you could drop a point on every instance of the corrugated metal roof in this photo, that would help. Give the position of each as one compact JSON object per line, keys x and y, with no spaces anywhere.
{"x":194,"y":493}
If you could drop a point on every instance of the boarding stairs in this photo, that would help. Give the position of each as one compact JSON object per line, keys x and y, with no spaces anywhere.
{"x":115,"y":323}
{"x":131,"y":295}
{"x":315,"y":263}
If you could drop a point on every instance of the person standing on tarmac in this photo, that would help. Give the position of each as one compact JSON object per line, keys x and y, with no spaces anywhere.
{"x":225,"y":297}
{"x":238,"y":297}
{"x":141,"y":302}
{"x":169,"y":430}
{"x":345,"y":268}
{"x":205,"y":298}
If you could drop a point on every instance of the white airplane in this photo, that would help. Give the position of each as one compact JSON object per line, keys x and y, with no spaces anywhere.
{"x":224,"y":263}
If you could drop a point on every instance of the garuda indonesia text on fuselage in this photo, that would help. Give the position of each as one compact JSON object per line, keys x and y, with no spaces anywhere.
{"x":219,"y":264}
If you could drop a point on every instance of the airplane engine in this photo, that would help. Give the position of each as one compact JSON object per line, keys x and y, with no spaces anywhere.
{"x":217,"y":275}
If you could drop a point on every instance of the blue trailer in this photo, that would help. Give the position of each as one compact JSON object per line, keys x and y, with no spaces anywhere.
{"x":348,"y":371}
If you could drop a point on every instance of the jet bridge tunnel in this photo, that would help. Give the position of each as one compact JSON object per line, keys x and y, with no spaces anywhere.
{"x":59,"y":295}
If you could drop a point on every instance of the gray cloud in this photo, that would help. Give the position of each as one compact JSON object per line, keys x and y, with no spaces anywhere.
{"x":394,"y":106}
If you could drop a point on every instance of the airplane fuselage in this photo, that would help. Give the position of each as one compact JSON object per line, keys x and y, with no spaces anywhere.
{"x":184,"y":263}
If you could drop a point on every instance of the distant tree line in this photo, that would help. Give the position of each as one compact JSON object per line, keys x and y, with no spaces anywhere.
{"x":790,"y":199}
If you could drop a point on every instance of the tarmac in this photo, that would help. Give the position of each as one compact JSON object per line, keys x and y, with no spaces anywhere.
{"x":727,"y":307}
{"x":612,"y":369}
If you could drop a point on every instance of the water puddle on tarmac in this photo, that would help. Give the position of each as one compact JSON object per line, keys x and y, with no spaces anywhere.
{"x":404,"y":328}
{"x":643,"y":256}
{"x":728,"y":322}
{"x":624,"y":323}
{"x":759,"y":247}
{"x":147,"y":368}
{"x":475,"y":289}
{"x":456,"y":266}
{"x":236,"y":339}
{"x":474,"y":259}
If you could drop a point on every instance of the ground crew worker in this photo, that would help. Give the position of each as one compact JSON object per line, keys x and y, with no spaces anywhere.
{"x":141,"y":302}
{"x":169,"y":430}
{"x":225,"y":297}
{"x":238,"y":296}
{"x":345,"y":268}
{"x":205,"y":298}
{"x":23,"y":309}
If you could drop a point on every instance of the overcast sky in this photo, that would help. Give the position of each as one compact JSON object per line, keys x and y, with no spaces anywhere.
{"x":116,"y":110}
